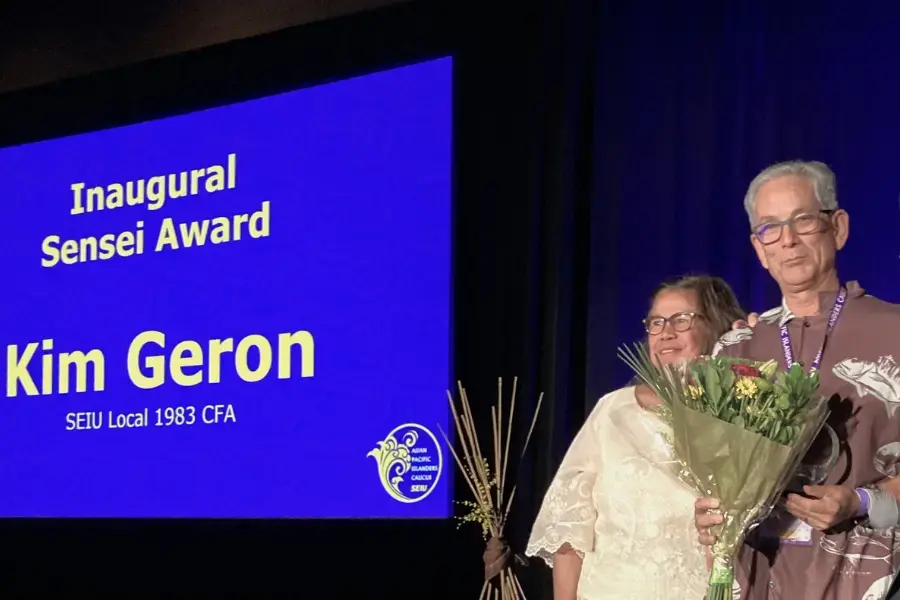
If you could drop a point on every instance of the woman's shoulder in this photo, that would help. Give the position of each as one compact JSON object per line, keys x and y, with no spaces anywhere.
{"x":619,"y":397}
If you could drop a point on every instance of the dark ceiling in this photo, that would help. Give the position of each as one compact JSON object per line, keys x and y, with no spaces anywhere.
{"x":43,"y":41}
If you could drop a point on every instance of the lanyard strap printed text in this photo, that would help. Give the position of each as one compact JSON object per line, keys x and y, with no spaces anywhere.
{"x":832,"y":321}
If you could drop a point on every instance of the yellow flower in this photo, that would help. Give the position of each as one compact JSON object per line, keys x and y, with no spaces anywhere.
{"x":745,"y":388}
{"x":695,"y":391}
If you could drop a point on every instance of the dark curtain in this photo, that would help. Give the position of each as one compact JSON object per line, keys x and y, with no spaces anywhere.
{"x":524,"y":174}
{"x":616,"y":141}
{"x":691,"y":106}
{"x":600,"y":147}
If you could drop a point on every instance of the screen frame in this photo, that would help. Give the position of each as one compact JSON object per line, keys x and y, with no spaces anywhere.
{"x":237,"y":71}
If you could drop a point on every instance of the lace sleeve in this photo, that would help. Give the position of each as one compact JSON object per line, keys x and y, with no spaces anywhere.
{"x":568,"y":514}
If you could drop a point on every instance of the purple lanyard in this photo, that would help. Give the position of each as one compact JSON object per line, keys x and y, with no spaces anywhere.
{"x":832,"y":321}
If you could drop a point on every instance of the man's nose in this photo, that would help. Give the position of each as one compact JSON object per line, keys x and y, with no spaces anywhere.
{"x":668,"y":332}
{"x":788,"y":235}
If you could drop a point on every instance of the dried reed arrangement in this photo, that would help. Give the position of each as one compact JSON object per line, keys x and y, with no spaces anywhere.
{"x":492,"y":498}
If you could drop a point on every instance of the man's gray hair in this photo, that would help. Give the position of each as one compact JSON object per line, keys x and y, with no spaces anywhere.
{"x":819,"y":173}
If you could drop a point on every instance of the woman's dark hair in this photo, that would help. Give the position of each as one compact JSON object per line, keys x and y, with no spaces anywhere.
{"x":716,"y":302}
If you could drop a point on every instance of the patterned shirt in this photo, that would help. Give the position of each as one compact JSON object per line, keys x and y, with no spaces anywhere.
{"x":859,"y":372}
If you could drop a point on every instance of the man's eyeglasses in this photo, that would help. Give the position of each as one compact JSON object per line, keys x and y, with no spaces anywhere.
{"x":805,"y":224}
{"x":680,"y":322}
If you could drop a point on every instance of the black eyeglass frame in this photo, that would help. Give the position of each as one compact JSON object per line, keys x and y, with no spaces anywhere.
{"x":670,"y":320}
{"x":760,"y":230}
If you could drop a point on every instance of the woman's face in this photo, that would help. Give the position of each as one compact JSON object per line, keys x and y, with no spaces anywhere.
{"x":676,"y":330}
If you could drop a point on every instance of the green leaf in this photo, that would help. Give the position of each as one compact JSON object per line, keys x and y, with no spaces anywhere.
{"x":762,"y":384}
{"x":782,"y":401}
{"x":727,"y":378}
{"x":713,"y":387}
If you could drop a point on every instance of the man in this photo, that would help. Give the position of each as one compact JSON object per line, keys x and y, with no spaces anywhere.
{"x":828,"y":549}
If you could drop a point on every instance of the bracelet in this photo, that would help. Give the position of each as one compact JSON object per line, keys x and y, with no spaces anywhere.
{"x":864,"y":501}
{"x":884,"y":509}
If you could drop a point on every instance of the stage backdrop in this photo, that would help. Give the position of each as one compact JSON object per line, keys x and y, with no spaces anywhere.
{"x":241,"y":312}
{"x":702,"y":103}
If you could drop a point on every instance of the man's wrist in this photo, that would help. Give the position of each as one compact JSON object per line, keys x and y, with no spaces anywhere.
{"x":884,"y":511}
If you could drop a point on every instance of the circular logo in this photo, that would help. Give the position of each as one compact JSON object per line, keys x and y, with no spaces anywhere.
{"x":409,"y":462}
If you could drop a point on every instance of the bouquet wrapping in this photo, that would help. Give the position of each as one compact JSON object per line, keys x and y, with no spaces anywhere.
{"x":739,"y":432}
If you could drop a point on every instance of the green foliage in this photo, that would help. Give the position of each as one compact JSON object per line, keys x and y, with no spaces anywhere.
{"x":754,"y":396}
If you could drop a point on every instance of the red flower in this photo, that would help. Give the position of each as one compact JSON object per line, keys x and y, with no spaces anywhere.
{"x":745,"y":370}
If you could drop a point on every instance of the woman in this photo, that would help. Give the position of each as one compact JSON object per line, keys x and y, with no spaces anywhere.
{"x":615,"y":523}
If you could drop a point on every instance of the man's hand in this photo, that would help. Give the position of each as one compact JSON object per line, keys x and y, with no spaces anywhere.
{"x":752,"y":320}
{"x":828,"y":506}
{"x":704,"y":519}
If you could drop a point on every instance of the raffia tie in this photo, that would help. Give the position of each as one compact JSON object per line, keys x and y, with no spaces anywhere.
{"x":498,"y":556}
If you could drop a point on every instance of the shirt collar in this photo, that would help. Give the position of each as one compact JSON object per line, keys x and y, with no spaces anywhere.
{"x":854,"y":290}
{"x":786,"y":315}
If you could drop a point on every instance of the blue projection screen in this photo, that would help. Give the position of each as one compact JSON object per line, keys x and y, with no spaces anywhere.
{"x":240,"y":312}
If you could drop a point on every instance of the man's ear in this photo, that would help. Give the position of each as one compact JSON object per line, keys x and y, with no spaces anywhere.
{"x":840,"y":223}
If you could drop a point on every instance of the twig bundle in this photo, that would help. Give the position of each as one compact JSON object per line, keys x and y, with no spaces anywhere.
{"x":492,"y":503}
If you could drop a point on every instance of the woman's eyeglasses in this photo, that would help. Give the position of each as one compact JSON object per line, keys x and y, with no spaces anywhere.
{"x":680,"y":322}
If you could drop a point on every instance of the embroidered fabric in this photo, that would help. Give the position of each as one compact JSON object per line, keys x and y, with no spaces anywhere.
{"x":618,"y":505}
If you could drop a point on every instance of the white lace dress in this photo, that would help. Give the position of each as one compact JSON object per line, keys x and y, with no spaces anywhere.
{"x":616,"y":504}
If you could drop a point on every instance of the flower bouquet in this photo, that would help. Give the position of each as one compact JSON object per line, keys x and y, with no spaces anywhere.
{"x":739,"y":431}
{"x":492,"y":498}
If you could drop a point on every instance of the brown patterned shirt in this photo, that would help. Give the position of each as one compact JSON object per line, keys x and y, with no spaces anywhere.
{"x":858,"y":365}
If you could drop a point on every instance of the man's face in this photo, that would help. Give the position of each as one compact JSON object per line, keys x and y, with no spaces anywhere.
{"x":809,"y":239}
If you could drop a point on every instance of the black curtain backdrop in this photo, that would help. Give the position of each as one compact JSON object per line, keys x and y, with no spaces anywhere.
{"x":600,"y":147}
{"x":691,"y":106}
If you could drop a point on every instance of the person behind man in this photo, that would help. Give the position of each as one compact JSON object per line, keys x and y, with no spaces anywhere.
{"x":613,"y":524}
{"x":829,"y":548}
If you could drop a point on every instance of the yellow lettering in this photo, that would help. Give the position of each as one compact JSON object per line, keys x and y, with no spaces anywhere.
{"x":95,"y":197}
{"x":186,"y":354}
{"x":77,"y":207}
{"x":80,"y":361}
{"x":194,"y":234}
{"x":147,"y":370}
{"x":115,"y":195}
{"x":242,"y":364}
{"x":215,"y":179}
{"x":51,"y":252}
{"x":156,"y":190}
{"x":216,"y":349}
{"x":307,"y":345}
{"x":17,"y":370}
{"x":156,"y":193}
{"x":168,"y":235}
{"x":155,"y":364}
{"x":90,"y":249}
{"x":218,"y":230}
